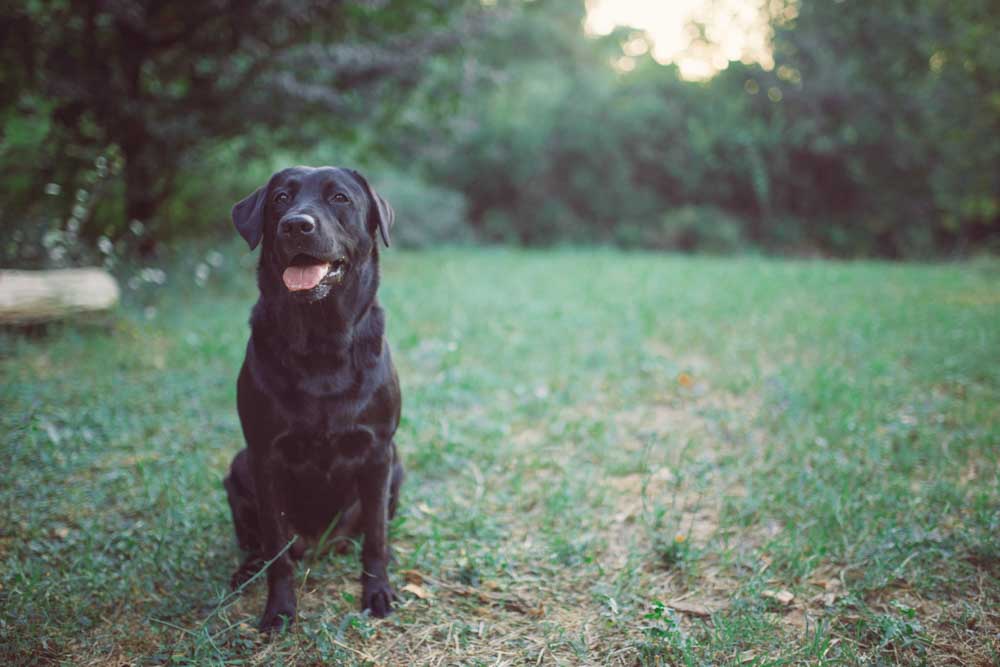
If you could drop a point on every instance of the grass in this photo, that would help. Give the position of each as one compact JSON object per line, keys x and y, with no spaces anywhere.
{"x":613,"y":459}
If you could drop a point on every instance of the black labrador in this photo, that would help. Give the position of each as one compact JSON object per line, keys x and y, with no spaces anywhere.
{"x":318,"y":396}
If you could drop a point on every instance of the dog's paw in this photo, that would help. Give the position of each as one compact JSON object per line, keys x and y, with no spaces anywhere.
{"x":377,"y":597}
{"x":277,"y":619}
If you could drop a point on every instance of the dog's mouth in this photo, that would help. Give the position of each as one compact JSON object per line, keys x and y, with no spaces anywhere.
{"x":305,"y":272}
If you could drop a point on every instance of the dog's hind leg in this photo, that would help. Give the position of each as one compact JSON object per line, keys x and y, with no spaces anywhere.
{"x":347,"y":529}
{"x":240,"y":490}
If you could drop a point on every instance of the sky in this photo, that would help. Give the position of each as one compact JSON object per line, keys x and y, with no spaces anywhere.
{"x":736,"y":29}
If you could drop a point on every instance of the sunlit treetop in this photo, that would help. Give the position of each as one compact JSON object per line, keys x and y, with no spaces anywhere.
{"x":700,"y":36}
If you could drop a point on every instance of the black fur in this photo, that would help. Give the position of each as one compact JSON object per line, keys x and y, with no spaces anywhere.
{"x":318,"y":396}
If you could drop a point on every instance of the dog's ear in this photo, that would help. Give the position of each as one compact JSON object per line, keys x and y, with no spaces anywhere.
{"x":248,"y":216}
{"x":380,"y":214}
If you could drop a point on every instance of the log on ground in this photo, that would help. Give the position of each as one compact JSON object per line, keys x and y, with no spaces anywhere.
{"x":28,"y":297}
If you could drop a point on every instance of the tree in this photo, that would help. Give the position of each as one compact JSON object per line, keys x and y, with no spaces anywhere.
{"x":893,"y":115}
{"x":155,"y":80}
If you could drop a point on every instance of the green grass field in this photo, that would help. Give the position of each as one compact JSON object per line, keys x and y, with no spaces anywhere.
{"x":614,"y":459}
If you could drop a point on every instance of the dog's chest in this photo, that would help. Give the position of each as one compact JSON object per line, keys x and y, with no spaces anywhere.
{"x":323,"y":400}
{"x":327,"y":455}
{"x":322,"y":376}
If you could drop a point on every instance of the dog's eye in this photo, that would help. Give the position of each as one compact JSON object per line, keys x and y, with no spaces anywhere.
{"x":340,"y":198}
{"x":281,"y":197}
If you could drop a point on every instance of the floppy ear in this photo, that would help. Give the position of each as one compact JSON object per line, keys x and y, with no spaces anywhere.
{"x":248,"y":216}
{"x":380,"y":214}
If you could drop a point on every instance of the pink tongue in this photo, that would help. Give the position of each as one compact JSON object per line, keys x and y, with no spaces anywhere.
{"x":304,"y":277}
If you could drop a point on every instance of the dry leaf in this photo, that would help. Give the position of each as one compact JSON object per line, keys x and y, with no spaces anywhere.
{"x":747,"y":656}
{"x":524,"y":607}
{"x":782,"y":596}
{"x":412,"y":576}
{"x":796,"y":618}
{"x":692,"y":608}
{"x":417,"y":590}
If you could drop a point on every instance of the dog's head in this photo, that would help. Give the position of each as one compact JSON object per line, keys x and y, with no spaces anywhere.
{"x":317,"y":225}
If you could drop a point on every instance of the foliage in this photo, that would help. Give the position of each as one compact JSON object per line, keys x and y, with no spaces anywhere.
{"x":876,"y":131}
{"x":688,"y":228}
{"x":855,"y":143}
{"x":159,"y":83}
{"x":896,"y":103}
{"x":426,"y":214}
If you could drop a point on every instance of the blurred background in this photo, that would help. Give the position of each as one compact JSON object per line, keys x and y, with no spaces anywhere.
{"x":616,"y":453}
{"x":809,"y":128}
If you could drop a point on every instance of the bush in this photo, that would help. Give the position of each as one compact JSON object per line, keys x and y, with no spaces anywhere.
{"x":687,"y":229}
{"x":425,"y":214}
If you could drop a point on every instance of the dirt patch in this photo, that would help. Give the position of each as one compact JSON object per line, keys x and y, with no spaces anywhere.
{"x":692,"y":427}
{"x":667,"y":460}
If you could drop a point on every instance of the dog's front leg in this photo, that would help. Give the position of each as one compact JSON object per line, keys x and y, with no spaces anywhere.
{"x":376,"y":593}
{"x":279,"y":611}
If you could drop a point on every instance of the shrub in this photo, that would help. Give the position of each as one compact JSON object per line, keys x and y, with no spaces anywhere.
{"x":425,"y":214}
{"x":687,"y":229}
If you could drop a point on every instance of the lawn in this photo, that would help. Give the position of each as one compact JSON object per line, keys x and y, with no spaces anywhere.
{"x":613,"y":459}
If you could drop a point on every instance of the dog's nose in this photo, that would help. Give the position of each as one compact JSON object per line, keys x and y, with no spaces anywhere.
{"x":300,"y":224}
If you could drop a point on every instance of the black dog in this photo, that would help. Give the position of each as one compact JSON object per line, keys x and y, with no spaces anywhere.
{"x":318,"y":396}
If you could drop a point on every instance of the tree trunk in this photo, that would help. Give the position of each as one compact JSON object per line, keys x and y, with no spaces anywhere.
{"x":144,"y":177}
{"x":149,"y":176}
